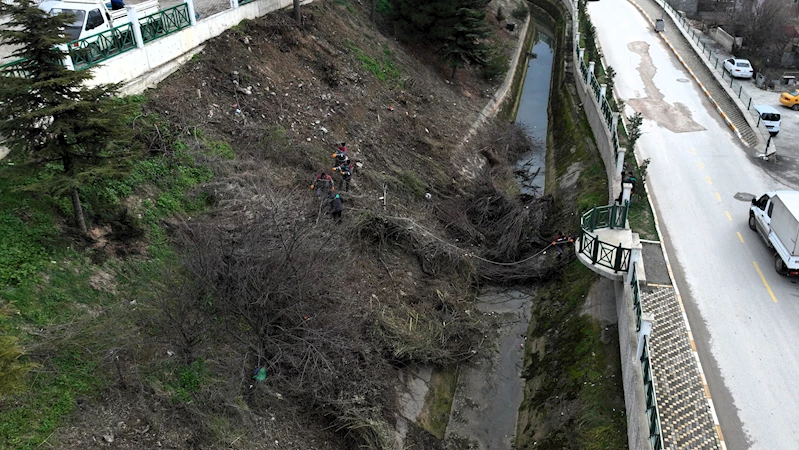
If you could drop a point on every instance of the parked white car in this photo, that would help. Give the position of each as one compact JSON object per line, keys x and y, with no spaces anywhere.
{"x":739,"y":68}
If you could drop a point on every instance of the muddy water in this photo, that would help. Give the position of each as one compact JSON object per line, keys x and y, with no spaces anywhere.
{"x":490,"y":387}
{"x":532,"y":112}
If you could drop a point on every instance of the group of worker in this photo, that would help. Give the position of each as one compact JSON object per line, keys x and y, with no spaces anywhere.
{"x":325,"y":186}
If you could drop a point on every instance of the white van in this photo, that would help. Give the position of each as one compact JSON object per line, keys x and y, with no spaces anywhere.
{"x":770,"y":117}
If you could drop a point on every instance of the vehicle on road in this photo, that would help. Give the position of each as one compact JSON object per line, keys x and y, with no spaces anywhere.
{"x":739,"y":68}
{"x":770,"y":117}
{"x":93,"y":17}
{"x":790,"y":99}
{"x":775,"y":217}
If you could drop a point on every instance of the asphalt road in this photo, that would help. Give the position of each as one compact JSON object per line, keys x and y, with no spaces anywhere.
{"x":744,"y":316}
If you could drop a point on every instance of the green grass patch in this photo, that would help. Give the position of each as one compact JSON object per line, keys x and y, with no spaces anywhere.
{"x":640,"y":215}
{"x":45,"y":278}
{"x":438,"y":403}
{"x":570,"y":375}
{"x":381,"y":66}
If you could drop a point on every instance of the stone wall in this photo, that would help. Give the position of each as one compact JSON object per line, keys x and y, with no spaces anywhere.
{"x":723,"y":38}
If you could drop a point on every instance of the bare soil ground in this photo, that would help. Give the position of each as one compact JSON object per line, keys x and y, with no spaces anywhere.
{"x":282,"y":96}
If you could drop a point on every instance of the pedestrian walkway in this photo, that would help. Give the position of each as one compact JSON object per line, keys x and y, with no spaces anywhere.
{"x":686,"y":418}
{"x":726,"y":106}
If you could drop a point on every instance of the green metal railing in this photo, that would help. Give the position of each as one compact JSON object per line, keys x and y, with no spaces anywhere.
{"x":94,"y":49}
{"x":652,"y":413}
{"x":164,"y":22}
{"x":610,"y":216}
{"x":636,"y":298}
{"x":591,"y":80}
{"x":13,"y":69}
{"x":614,"y":257}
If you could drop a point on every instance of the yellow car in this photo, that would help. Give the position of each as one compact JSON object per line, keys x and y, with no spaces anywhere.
{"x":790,"y":99}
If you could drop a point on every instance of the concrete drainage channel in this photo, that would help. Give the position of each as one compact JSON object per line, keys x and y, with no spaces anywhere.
{"x":490,"y":388}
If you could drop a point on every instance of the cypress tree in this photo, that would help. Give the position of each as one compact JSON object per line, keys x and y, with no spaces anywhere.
{"x":51,"y":117}
{"x":465,"y":45}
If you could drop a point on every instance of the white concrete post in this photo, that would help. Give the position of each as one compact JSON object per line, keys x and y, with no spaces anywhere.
{"x":582,"y":53}
{"x":234,"y":4}
{"x":192,"y":14}
{"x":67,"y":57}
{"x":620,"y":160}
{"x":625,"y":194}
{"x":133,"y":18}
{"x":577,"y":41}
{"x":647,"y":321}
{"x":603,"y":89}
{"x":635,"y":256}
{"x":591,"y":67}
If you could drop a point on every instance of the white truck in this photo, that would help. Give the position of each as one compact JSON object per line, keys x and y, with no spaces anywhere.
{"x":94,"y":16}
{"x":775,"y":217}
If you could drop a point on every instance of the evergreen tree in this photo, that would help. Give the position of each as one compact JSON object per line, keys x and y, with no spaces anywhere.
{"x":425,"y":20}
{"x":51,"y":117}
{"x":465,"y":45}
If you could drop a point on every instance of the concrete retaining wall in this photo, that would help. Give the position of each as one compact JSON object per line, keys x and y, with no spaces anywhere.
{"x":723,"y":38}
{"x":142,"y":68}
{"x":604,"y":141}
{"x":631,"y":372}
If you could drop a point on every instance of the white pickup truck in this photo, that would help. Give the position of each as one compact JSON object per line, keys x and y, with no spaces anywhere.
{"x":775,"y":217}
{"x":93,"y":16}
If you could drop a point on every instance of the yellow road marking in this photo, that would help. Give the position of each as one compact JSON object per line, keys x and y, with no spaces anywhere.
{"x":740,"y":237}
{"x":700,"y":165}
{"x":729,"y":217}
{"x":708,"y":180}
{"x":765,"y":283}
{"x":693,"y":152}
{"x":718,"y":197}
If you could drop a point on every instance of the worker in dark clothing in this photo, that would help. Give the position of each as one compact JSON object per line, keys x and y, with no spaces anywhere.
{"x":117,"y":5}
{"x":323,"y":185}
{"x":560,"y":241}
{"x":336,"y":207}
{"x":342,"y":154}
{"x":346,"y":175}
{"x":633,"y":181}
{"x":625,"y":178}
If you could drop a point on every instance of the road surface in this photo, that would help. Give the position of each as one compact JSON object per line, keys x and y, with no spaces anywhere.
{"x":744,"y":316}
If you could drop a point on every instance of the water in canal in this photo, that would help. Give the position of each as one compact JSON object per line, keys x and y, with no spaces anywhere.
{"x":490,"y":387}
{"x":532,"y":112}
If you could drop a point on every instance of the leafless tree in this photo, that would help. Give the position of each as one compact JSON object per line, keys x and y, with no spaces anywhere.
{"x":762,"y":24}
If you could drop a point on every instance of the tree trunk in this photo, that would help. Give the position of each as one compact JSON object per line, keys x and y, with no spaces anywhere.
{"x":297,"y":15}
{"x":454,"y":68}
{"x":78,"y":211}
{"x":373,"y":14}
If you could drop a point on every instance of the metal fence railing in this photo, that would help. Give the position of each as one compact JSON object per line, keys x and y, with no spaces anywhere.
{"x":636,"y":297}
{"x":13,"y":69}
{"x":94,"y":49}
{"x":610,"y":216}
{"x":652,"y":413}
{"x":590,"y":79}
{"x":164,"y":22}
{"x":716,"y":61}
{"x":613,"y":257}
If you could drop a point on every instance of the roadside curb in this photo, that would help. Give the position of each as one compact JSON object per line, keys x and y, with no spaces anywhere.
{"x":677,"y":295}
{"x":701,"y":86}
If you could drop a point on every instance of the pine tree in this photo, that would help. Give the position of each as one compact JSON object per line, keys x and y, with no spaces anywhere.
{"x":51,"y":116}
{"x":465,"y":45}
